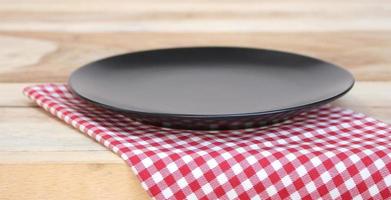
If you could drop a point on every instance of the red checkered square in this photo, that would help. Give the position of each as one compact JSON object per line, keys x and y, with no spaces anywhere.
{"x":328,"y":153}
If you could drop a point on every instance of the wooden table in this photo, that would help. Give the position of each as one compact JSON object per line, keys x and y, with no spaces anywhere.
{"x":43,"y":41}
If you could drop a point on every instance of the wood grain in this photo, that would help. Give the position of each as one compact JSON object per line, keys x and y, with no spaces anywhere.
{"x":194,"y":16}
{"x":69,"y":181}
{"x":365,"y":54}
{"x":45,"y":40}
{"x":39,"y":132}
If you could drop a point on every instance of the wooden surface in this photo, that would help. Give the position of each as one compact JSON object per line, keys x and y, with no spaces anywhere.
{"x":44,"y":40}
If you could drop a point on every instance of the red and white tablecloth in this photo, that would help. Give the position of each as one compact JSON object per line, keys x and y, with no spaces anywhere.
{"x":328,"y":153}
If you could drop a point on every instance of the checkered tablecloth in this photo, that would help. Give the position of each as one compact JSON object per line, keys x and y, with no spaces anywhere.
{"x":328,"y":153}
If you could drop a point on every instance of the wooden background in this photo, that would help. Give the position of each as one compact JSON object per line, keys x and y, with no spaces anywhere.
{"x":44,"y":40}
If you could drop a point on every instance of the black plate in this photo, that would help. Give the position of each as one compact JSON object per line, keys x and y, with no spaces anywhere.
{"x":210,"y":87}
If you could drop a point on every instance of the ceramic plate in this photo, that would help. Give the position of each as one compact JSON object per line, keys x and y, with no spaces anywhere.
{"x":210,"y":87}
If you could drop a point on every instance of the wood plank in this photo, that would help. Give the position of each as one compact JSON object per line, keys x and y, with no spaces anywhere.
{"x":363,"y":94}
{"x":365,"y":54}
{"x":30,"y":129}
{"x":50,"y":156}
{"x":193,"y":16}
{"x":367,"y":94}
{"x":13,"y":95}
{"x":69,"y":181}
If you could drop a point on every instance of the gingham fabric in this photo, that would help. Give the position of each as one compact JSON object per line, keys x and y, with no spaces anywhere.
{"x":327,"y":153}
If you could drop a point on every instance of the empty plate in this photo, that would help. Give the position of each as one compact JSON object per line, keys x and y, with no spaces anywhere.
{"x":210,"y":87}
